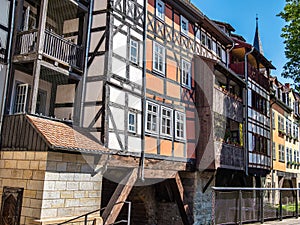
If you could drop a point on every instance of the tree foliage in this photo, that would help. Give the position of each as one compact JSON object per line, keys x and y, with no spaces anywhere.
{"x":291,"y":35}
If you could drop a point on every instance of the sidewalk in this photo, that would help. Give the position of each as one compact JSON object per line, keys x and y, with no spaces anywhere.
{"x":291,"y":221}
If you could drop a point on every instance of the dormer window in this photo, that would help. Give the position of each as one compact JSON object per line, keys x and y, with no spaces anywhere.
{"x":184,"y":25}
{"x":160,"y":10}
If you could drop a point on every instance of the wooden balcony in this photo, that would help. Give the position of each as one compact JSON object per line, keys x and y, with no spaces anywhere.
{"x":229,"y":156}
{"x":228,"y":104}
{"x":55,"y":47}
{"x":253,"y":73}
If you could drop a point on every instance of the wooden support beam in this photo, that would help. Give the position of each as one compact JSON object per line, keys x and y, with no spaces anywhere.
{"x":121,"y":193}
{"x":178,"y":193}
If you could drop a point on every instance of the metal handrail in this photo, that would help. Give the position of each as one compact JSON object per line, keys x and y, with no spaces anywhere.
{"x":85,"y":216}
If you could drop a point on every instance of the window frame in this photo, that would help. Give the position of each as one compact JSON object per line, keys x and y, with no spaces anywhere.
{"x":161,"y":121}
{"x":163,"y":71}
{"x":184,"y":20}
{"x":281,"y":149}
{"x":184,"y":72}
{"x":137,"y":51}
{"x":160,"y":15}
{"x":274,"y":150}
{"x":132,"y":125}
{"x":152,"y":113}
{"x":184,"y":126}
{"x":25,"y":92}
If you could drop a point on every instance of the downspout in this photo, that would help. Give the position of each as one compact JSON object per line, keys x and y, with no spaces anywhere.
{"x":246,"y":113}
{"x":142,"y":160}
{"x":87,"y":47}
{"x":12,"y":24}
{"x":228,"y":51}
{"x":271,"y":142}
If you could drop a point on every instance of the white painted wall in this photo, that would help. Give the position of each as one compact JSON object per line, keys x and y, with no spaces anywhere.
{"x":27,"y":79}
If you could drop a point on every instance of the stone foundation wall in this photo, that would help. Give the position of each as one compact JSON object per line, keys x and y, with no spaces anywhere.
{"x":203,"y":201}
{"x":168,"y":213}
{"x":71,"y":187}
{"x":56,"y":186}
{"x":25,"y":170}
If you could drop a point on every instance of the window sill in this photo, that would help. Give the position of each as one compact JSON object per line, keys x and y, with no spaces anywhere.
{"x":157,"y":72}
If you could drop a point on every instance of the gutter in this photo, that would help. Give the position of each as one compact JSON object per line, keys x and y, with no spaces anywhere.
{"x":87,"y":47}
{"x":9,"y":47}
{"x":246,"y":156}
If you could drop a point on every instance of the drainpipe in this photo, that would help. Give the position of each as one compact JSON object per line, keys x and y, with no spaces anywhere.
{"x":9,"y":47}
{"x":271,"y":141}
{"x":86,"y":59}
{"x":142,"y":160}
{"x":228,"y":51}
{"x":246,"y":112}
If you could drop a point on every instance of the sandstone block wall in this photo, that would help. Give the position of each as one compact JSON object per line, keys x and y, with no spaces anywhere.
{"x":56,"y":185}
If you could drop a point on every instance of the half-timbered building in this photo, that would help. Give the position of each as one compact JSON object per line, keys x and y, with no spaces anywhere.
{"x":127,"y":100}
{"x":249,"y":62}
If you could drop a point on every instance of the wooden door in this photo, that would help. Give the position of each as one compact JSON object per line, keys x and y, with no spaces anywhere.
{"x":11,"y":206}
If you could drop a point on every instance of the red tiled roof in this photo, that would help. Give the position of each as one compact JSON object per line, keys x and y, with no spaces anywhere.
{"x":61,"y":136}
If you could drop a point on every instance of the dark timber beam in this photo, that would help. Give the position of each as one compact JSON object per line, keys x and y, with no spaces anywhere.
{"x":178,"y":193}
{"x":121,"y":193}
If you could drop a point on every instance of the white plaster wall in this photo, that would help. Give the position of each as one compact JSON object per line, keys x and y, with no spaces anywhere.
{"x":113,"y":141}
{"x":98,"y":5}
{"x":118,"y":115}
{"x":65,"y":93}
{"x":134,"y":102}
{"x":120,"y":44}
{"x":134,"y":144}
{"x":27,"y":79}
{"x":117,"y":96}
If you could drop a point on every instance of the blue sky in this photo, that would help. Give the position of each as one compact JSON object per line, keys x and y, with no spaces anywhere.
{"x":241,"y":15}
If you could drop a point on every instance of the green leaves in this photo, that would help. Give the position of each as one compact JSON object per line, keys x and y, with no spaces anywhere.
{"x":291,"y":35}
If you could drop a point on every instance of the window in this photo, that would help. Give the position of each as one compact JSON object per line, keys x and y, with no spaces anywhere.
{"x":274,"y":150}
{"x":160,"y":9}
{"x":186,"y":73}
{"x":209,"y":45}
{"x":134,"y":51}
{"x":166,"y":121}
{"x":203,"y":38}
{"x":179,"y":125}
{"x":152,"y":118}
{"x":287,"y":154}
{"x":219,"y":51}
{"x":21,"y":98}
{"x":198,"y":34}
{"x":281,"y":153}
{"x":280,"y":123}
{"x":132,"y":122}
{"x":158,"y":58}
{"x":184,"y":25}
{"x":273,"y":120}
{"x":295,"y":155}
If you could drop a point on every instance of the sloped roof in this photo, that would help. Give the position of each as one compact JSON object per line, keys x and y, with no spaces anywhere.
{"x":29,"y":132}
{"x":59,"y":135}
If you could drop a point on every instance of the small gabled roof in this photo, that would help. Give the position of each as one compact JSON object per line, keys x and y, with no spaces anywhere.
{"x":30,"y":132}
{"x":59,"y":135}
